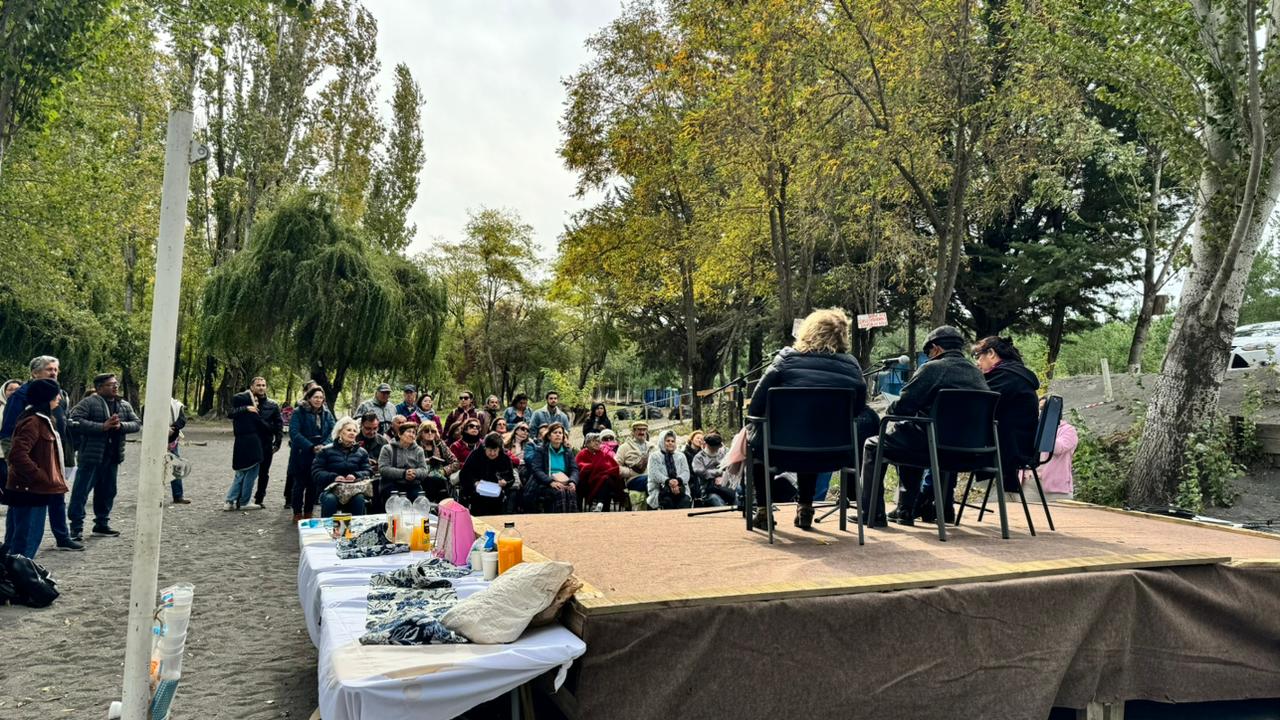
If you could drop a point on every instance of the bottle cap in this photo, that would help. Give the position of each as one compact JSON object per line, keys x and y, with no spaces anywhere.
{"x":508,"y":524}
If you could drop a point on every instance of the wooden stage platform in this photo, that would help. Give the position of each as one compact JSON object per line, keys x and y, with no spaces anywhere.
{"x":696,"y":617}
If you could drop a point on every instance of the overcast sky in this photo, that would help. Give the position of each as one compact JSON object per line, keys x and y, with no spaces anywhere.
{"x":490,"y":71}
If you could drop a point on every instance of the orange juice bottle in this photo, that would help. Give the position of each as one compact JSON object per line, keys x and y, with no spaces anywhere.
{"x":510,"y":548}
{"x":421,"y":538}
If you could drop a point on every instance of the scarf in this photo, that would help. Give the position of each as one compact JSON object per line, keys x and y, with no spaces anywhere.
{"x":670,"y":460}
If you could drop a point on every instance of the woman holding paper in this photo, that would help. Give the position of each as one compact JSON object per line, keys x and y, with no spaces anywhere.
{"x":486,"y":478}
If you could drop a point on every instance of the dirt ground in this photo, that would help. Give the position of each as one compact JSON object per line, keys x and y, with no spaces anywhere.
{"x":248,"y":655}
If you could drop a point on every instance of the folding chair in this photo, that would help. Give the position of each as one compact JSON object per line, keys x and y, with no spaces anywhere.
{"x":961,"y":435}
{"x":808,"y":430}
{"x":1046,"y":442}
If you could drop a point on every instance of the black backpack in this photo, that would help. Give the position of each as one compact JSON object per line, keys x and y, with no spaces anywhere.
{"x":24,"y":581}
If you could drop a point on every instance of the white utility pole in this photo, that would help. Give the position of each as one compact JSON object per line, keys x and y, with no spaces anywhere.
{"x":178,"y":156}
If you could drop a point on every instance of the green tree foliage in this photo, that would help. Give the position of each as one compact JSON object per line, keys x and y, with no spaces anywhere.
{"x":337,"y":303}
{"x":1262,"y":292}
{"x":42,"y":44}
{"x":394,"y":186}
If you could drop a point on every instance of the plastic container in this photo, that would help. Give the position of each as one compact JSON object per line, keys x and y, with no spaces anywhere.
{"x":397,"y":506}
{"x":510,"y":547}
{"x":422,"y":506}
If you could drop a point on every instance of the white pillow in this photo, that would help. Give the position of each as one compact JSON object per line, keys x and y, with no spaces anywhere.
{"x":501,"y":612}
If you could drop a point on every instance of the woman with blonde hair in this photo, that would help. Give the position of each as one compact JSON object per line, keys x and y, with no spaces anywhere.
{"x":819,"y":358}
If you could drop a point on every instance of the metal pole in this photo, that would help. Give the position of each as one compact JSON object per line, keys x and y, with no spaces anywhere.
{"x":155,"y":426}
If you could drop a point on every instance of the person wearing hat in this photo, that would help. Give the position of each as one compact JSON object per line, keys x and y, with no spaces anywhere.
{"x":633,"y":462}
{"x":380,"y":405}
{"x":410,"y":404}
{"x":946,"y":369}
{"x":709,"y":484}
{"x":35,"y":469}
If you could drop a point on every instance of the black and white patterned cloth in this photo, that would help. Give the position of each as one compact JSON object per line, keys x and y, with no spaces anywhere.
{"x":405,"y":605}
{"x":371,"y":542}
{"x":422,"y":575}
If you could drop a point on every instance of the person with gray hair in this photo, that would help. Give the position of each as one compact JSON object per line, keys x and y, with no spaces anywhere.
{"x":46,"y":367}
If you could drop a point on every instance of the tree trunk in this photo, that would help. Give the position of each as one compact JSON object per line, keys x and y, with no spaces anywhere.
{"x":1056,"y":325}
{"x":207,"y":393}
{"x":1141,"y":330}
{"x":755,"y":356}
{"x":911,"y":332}
{"x":693,"y":361}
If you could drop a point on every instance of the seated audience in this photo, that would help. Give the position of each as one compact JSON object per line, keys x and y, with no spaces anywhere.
{"x":609,"y":443}
{"x":464,"y":411}
{"x":709,"y":484}
{"x":693,"y":446}
{"x":426,"y":412}
{"x":393,"y":434}
{"x":549,"y":414}
{"x":499,"y":425}
{"x":1017,"y":413}
{"x":519,"y":411}
{"x":402,"y":466}
{"x":342,"y":472}
{"x":381,"y":407}
{"x":633,"y":463}
{"x":597,"y":421}
{"x":469,"y":441}
{"x":441,"y":464}
{"x":410,"y":403}
{"x":553,"y":473}
{"x":598,"y":476}
{"x":491,"y":465}
{"x":668,"y":476}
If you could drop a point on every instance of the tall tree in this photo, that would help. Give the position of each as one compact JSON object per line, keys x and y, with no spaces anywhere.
{"x":41,"y":45}
{"x":394,"y":186}
{"x":1206,"y":87}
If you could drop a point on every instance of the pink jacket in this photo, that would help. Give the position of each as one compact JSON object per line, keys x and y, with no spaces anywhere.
{"x":1055,"y":475}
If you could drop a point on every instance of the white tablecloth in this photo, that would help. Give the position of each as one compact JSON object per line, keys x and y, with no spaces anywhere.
{"x":359,"y":682}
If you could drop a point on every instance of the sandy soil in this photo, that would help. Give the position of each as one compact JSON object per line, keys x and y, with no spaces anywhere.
{"x":248,"y":655}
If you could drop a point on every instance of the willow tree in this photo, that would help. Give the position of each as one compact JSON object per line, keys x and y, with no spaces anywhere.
{"x":1200,"y":77}
{"x":310,"y":292}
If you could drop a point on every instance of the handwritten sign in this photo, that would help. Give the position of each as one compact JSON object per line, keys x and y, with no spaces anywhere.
{"x":872,"y":320}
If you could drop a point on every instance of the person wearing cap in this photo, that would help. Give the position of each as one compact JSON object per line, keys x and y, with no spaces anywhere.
{"x":819,"y":358}
{"x":709,"y":484}
{"x":946,"y":369}
{"x":380,"y":405}
{"x":633,"y":463}
{"x":35,"y":469}
{"x":410,"y":404}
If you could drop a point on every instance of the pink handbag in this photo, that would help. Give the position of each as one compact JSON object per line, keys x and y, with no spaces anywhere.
{"x":455,"y":533}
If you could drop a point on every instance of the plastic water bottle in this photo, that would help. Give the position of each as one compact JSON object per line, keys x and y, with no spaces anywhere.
{"x":423,"y":507}
{"x":397,"y":507}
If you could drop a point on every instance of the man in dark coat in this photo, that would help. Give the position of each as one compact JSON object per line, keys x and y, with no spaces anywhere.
{"x":246,"y":452}
{"x":270,"y":434}
{"x":946,"y":369}
{"x":99,"y":423}
{"x":1019,"y":410}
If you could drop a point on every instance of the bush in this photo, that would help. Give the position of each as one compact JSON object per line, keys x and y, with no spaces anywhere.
{"x":1101,"y":465}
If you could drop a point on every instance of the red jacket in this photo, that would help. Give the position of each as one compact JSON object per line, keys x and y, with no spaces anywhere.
{"x":594,"y":469}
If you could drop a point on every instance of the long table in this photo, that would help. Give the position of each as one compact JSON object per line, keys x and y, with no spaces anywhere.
{"x":367,"y":682}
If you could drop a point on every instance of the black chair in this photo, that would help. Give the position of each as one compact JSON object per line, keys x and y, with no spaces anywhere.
{"x":961,"y":434}
{"x":802,"y":433}
{"x":1046,"y":443}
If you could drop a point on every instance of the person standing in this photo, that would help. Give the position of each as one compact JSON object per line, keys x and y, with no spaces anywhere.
{"x":246,"y":453}
{"x":289,"y":473}
{"x":177,"y":421}
{"x":492,"y":408}
{"x":410,"y":403}
{"x":381,"y":406}
{"x":100,"y":421}
{"x":36,"y":457}
{"x":46,"y":367}
{"x":309,"y":430}
{"x":270,"y":435}
{"x":551,"y":413}
{"x":597,"y":420}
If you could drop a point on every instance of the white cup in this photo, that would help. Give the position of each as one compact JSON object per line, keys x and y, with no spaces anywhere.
{"x":490,"y":562}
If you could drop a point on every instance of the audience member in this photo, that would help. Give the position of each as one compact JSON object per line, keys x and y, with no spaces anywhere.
{"x":410,"y":403}
{"x":402,"y":465}
{"x":668,"y":475}
{"x":609,"y":443}
{"x":100,"y":421}
{"x":341,"y":472}
{"x":499,"y":425}
{"x":309,"y":429}
{"x":519,"y":411}
{"x":597,"y":421}
{"x":549,"y":414}
{"x":486,"y":478}
{"x":426,"y":412}
{"x":633,"y":463}
{"x":708,"y":483}
{"x":598,"y":476}
{"x":492,"y":408}
{"x":693,"y":446}
{"x":270,"y":434}
{"x":35,"y":475}
{"x":464,"y":411}
{"x":819,"y":358}
{"x":45,"y":367}
{"x":393,"y":435}
{"x":554,"y":472}
{"x":247,"y":449}
{"x":1017,"y":412}
{"x":370,"y":439}
{"x":290,"y":474}
{"x":469,"y":440}
{"x":947,"y":368}
{"x":380,"y":405}
{"x":441,"y":464}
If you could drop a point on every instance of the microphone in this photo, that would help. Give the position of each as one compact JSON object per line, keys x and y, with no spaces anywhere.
{"x":900,"y":360}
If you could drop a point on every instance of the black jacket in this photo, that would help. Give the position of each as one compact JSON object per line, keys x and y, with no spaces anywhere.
{"x":335,"y":460}
{"x":248,"y":428}
{"x":479,"y":467}
{"x":949,"y":371}
{"x":85,"y":423}
{"x":1018,"y":412}
{"x":796,"y":369}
